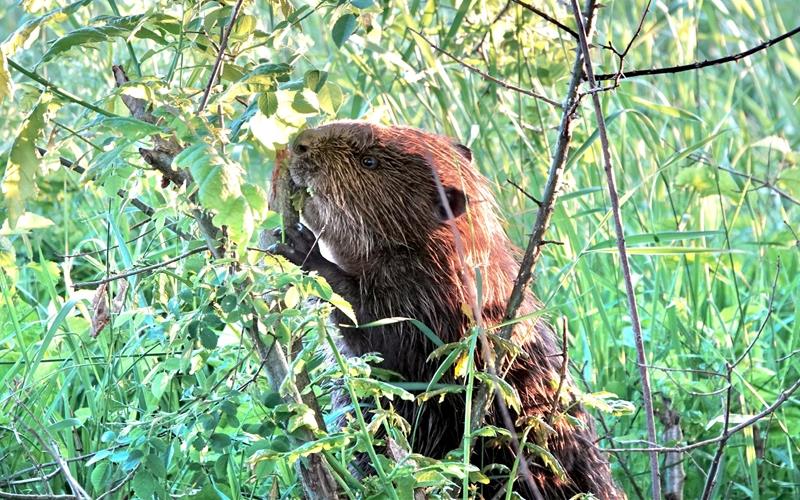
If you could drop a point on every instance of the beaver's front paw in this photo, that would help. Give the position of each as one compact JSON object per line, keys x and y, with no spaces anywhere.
{"x":300,"y":247}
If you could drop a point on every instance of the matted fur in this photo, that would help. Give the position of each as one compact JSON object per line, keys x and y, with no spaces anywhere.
{"x":395,"y":257}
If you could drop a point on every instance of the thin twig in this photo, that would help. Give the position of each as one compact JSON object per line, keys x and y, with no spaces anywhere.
{"x":119,"y":485}
{"x":700,"y":64}
{"x":623,"y":255}
{"x":763,"y":323}
{"x":527,"y":195}
{"x":621,"y":55}
{"x":782,"y":398}
{"x":552,"y":20}
{"x":711,"y":477}
{"x":220,"y":53}
{"x":140,"y":270}
{"x":484,"y":75}
{"x":24,"y":496}
{"x":563,"y":372}
{"x":57,"y":90}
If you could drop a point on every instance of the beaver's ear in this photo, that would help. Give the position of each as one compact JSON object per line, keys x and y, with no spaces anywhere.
{"x":457,"y":201}
{"x":464,"y":150}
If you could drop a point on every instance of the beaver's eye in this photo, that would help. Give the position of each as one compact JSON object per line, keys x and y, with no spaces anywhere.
{"x":369,"y":162}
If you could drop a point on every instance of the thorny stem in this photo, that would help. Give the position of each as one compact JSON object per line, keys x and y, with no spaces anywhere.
{"x":655,"y":475}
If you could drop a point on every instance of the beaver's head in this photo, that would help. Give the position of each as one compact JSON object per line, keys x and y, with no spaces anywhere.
{"x":374,"y":188}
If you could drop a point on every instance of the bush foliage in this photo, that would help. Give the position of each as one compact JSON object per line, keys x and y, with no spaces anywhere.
{"x":155,"y":384}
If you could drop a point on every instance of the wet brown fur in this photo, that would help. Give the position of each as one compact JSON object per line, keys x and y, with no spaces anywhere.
{"x":397,"y":258}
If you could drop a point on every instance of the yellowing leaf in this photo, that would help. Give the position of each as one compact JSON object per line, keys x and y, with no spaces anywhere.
{"x":292,"y":297}
{"x":461,"y":365}
{"x":26,"y":222}
{"x":6,"y":83}
{"x":19,"y":180}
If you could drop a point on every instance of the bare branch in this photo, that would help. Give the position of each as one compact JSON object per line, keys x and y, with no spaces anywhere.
{"x":484,"y":75}
{"x":700,"y":64}
{"x":623,"y":255}
{"x":533,"y":250}
{"x":782,"y":398}
{"x":550,"y":19}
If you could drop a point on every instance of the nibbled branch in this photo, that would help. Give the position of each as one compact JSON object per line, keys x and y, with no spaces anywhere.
{"x":223,"y":45}
{"x":161,"y":157}
{"x":318,"y":482}
{"x":674,"y":473}
{"x":164,"y":150}
{"x":700,"y":64}
{"x":487,"y":76}
{"x":623,"y":255}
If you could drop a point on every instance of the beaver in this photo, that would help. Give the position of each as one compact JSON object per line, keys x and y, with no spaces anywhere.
{"x":376,"y":227}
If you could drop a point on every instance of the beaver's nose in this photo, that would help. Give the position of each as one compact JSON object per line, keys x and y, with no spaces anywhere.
{"x":302,"y":143}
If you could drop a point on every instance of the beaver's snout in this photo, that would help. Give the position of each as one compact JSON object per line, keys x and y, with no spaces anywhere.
{"x":300,"y":166}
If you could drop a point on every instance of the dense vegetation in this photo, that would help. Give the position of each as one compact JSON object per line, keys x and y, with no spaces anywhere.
{"x":155,"y":384}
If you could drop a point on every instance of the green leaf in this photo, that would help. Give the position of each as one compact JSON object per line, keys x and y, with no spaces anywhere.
{"x":664,"y":250}
{"x":208,"y":338}
{"x":22,"y":168}
{"x":315,"y":79}
{"x":657,"y":237}
{"x":100,"y":475}
{"x":115,"y":27}
{"x":361,"y":4}
{"x":330,"y":98}
{"x":82,"y":36}
{"x":219,"y":184}
{"x":130,"y":128}
{"x":67,"y":423}
{"x":143,"y":484}
{"x":505,"y":389}
{"x":419,"y":324}
{"x":6,"y":83}
{"x":343,"y":28}
{"x":666,"y":110}
{"x":268,"y":103}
